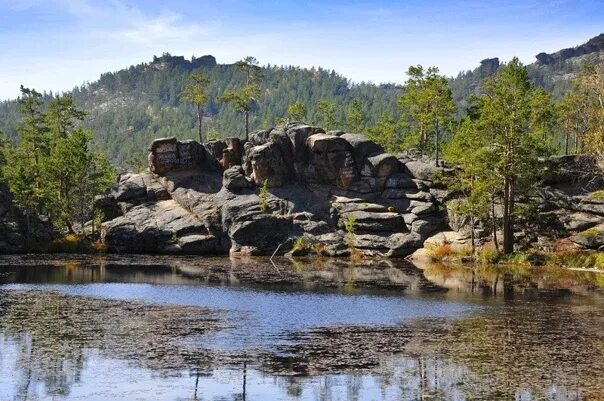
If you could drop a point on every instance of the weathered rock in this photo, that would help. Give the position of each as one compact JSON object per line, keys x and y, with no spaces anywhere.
{"x":298,"y":135}
{"x":580,"y":221}
{"x":366,"y":185}
{"x":427,"y":225}
{"x":592,"y":238}
{"x":167,"y":154}
{"x":374,"y":221}
{"x":345,"y":205}
{"x":266,"y":163}
{"x":380,"y":166}
{"x":400,"y":181}
{"x":331,"y":160}
{"x":262,"y":234}
{"x":421,"y":208}
{"x":234,"y":179}
{"x":152,"y":227}
{"x":421,"y":170}
{"x":362,"y":147}
{"x":108,"y":207}
{"x":408,"y":194}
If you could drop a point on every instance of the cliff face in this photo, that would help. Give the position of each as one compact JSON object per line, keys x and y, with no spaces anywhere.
{"x":207,"y":199}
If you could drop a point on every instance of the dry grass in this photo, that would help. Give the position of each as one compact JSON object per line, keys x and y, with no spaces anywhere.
{"x":440,"y":252}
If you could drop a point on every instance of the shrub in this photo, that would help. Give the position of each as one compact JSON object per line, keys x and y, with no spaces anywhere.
{"x":350,"y":224}
{"x":70,"y":243}
{"x":263,"y":201}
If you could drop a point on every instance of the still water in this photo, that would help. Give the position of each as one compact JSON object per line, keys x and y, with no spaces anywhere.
{"x":186,"y":328}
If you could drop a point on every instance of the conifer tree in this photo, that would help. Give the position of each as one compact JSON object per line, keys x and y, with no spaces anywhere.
{"x":503,"y":145}
{"x":427,"y":108}
{"x":196,"y":92}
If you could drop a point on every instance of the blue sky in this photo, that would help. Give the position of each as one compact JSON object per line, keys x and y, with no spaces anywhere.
{"x":58,"y":44}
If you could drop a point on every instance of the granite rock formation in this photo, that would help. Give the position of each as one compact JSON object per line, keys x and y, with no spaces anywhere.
{"x":206,"y":198}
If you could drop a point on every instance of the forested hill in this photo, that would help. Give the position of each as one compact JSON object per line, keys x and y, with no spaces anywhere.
{"x":130,"y":107}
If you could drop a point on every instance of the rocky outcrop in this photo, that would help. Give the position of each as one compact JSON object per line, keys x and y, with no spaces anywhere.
{"x":19,"y":232}
{"x":335,"y":190}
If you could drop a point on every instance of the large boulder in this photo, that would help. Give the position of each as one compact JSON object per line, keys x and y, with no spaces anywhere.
{"x":422,"y":170}
{"x":168,"y":154}
{"x":362,"y":147}
{"x":331,"y":160}
{"x":227,"y":152}
{"x":380,"y":166}
{"x":580,"y":221}
{"x":592,"y":238}
{"x":155,"y":227}
{"x":234,"y":179}
{"x":266,"y":163}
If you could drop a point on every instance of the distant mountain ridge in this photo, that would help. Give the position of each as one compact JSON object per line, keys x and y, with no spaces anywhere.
{"x":131,"y":107}
{"x":594,"y":45}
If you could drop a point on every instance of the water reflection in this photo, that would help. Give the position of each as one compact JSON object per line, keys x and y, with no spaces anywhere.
{"x":531,"y":336}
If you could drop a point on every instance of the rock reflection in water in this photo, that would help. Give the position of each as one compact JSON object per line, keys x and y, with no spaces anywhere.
{"x":541,"y":339}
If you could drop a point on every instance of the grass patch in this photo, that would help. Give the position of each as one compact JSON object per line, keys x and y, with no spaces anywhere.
{"x":597,"y":195}
{"x":488,"y":254}
{"x":591,"y":232}
{"x":578,"y":259}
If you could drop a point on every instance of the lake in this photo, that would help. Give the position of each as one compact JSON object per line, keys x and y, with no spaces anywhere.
{"x":77,"y":327}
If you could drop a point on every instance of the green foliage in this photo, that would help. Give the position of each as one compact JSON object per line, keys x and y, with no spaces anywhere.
{"x":355,"y":119}
{"x":350,"y":225}
{"x":386,"y":132}
{"x":263,"y":197}
{"x":51,"y":169}
{"x":326,"y":114}
{"x":427,"y":108}
{"x":597,"y":195}
{"x":580,"y":260}
{"x":500,"y":145}
{"x":296,"y":111}
{"x":196,"y":92}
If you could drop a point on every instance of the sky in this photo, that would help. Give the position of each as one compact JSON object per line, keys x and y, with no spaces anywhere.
{"x":59,"y":44}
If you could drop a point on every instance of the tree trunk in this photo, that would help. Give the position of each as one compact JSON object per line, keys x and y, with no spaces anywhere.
{"x":508,"y":195}
{"x":494,"y":224}
{"x":472,"y":235}
{"x":436,"y":139}
{"x":247,"y":125}
{"x":199,"y":119}
{"x":566,"y":141}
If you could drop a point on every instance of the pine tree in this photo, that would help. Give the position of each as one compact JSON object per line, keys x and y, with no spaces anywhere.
{"x":196,"y":92}
{"x":355,"y":119}
{"x":501,"y":146}
{"x":427,"y":107}
{"x":297,"y":111}
{"x":326,"y":112}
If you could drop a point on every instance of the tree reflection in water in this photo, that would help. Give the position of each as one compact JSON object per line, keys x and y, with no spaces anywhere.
{"x":534,"y":341}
